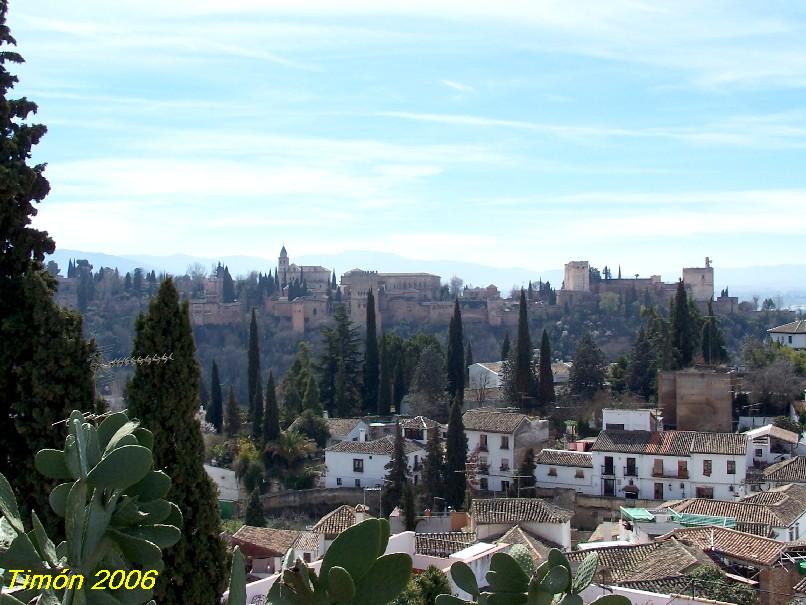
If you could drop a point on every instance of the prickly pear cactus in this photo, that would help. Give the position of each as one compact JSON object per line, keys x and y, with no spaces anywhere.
{"x":115,"y":514}
{"x":513,"y":581}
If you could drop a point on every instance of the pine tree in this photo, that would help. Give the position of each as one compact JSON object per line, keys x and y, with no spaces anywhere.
{"x":455,"y":458}
{"x":398,"y":472}
{"x":588,"y":369}
{"x":385,"y":382}
{"x":215,"y":413}
{"x":44,"y":359}
{"x":399,"y":388}
{"x":253,"y":369}
{"x":163,"y":397}
{"x":340,"y":366}
{"x":433,"y":470}
{"x":409,"y":507}
{"x":271,"y":415}
{"x":456,"y":356}
{"x":505,"y":347}
{"x":233,"y":423}
{"x":525,"y":482}
{"x":371,"y":359}
{"x":545,"y":376}
{"x":468,"y":361}
{"x":254,"y":516}
{"x":642,"y":372}
{"x":523,"y":370}
{"x":713,"y":342}
{"x":681,"y":330}
{"x":311,"y":400}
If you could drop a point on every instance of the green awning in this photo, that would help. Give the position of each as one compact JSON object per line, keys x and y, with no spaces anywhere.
{"x":692,"y":520}
{"x":637,"y":514}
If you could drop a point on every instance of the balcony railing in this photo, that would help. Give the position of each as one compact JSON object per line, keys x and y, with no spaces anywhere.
{"x":630,"y":472}
{"x":608,"y":470}
{"x":670,"y":475}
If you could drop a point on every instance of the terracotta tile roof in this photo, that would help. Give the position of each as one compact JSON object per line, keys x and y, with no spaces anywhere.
{"x":336,"y":521}
{"x":565,"y":458}
{"x":787,"y":502}
{"x":442,"y":544}
{"x":339,"y":427}
{"x":418,"y":422}
{"x":670,"y":443}
{"x":800,"y":587}
{"x":787,"y":471}
{"x":307,"y":541}
{"x":742,"y":511}
{"x":517,"y":510}
{"x":793,"y":327}
{"x":537,"y":547}
{"x":264,"y":541}
{"x":384,"y":446}
{"x":490,"y":420}
{"x":615,"y":562}
{"x":730,"y":543}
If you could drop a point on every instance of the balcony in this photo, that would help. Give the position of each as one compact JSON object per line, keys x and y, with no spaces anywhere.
{"x":630,"y":471}
{"x":669,"y":475}
{"x":608,"y":471}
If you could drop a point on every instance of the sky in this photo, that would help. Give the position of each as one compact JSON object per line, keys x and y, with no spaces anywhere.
{"x":518,"y":133}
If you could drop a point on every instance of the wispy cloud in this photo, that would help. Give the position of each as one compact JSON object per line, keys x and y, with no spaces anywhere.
{"x":457,"y":86}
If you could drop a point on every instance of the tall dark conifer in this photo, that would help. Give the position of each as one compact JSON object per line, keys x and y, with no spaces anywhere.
{"x":681,"y":329}
{"x":215,"y":413}
{"x":164,"y":397}
{"x":398,"y":472}
{"x":455,"y":458}
{"x":340,"y":366}
{"x":399,"y":388}
{"x":228,"y":287}
{"x":468,"y":361}
{"x":505,"y":347}
{"x":523,"y":371}
{"x":642,"y":371}
{"x":253,"y":368}
{"x":545,"y":376}
{"x":257,"y":416}
{"x":371,"y":359}
{"x":232,"y":425}
{"x":433,"y":471}
{"x":271,"y":414}
{"x":713,"y":342}
{"x":44,"y":359}
{"x":456,"y":356}
{"x":385,"y":382}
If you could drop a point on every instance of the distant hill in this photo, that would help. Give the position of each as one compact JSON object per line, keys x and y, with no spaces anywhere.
{"x":787,"y":281}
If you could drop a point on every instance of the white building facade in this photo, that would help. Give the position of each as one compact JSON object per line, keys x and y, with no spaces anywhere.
{"x":791,"y":335}
{"x":565,"y":469}
{"x":362,"y":463}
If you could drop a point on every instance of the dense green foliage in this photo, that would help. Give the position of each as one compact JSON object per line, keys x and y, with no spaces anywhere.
{"x":711,"y":583}
{"x":253,"y":368}
{"x":455,"y":456}
{"x":713,"y":343}
{"x":340,"y":366}
{"x":165,"y":397}
{"x":271,"y":413}
{"x":254,"y":515}
{"x":588,"y":370}
{"x":397,"y":474}
{"x":433,"y":475}
{"x":232,"y":425}
{"x":523,"y":376}
{"x":424,"y":588}
{"x":456,"y":356}
{"x":215,"y":411}
{"x":545,"y":376}
{"x":371,"y":359}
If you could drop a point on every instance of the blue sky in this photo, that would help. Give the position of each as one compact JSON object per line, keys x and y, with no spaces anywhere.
{"x":523,"y":133}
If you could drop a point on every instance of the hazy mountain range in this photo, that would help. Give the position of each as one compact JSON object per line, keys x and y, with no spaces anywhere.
{"x":785,"y":281}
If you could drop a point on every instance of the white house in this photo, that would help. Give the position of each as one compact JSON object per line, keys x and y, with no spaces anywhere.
{"x":663,"y":465}
{"x":791,"y":335}
{"x":419,"y":428}
{"x":631,"y":420}
{"x":565,"y":469}
{"x":491,"y":517}
{"x":265,"y":547}
{"x":497,"y":441}
{"x":362,"y":463}
{"x":485,"y":375}
{"x":770,"y":444}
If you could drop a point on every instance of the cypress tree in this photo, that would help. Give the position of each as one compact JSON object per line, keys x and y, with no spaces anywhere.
{"x":271,"y":415}
{"x":399,"y":389}
{"x":643,"y":367}
{"x":433,"y":470}
{"x":371,"y":359}
{"x":713,"y":342}
{"x":233,"y":423}
{"x":397,"y":476}
{"x":215,"y":413}
{"x":253,"y":369}
{"x":311,"y":400}
{"x":254,"y":516}
{"x":163,"y":397}
{"x":523,"y":370}
{"x":45,"y":368}
{"x":257,"y":420}
{"x":456,"y":356}
{"x":468,"y":361}
{"x":228,"y":287}
{"x":681,"y":329}
{"x":505,"y":347}
{"x":409,"y":507}
{"x":545,"y":376}
{"x":385,"y":382}
{"x":455,"y":458}
{"x":588,"y":370}
{"x":525,"y":482}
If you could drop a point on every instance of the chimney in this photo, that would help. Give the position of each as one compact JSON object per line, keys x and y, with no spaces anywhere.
{"x":362,"y":434}
{"x":361,"y":513}
{"x":325,"y":415}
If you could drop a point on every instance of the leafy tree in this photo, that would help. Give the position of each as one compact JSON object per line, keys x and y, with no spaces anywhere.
{"x":455,"y":458}
{"x":768,"y":305}
{"x":456,"y":356}
{"x":413,"y":348}
{"x":505,"y":347}
{"x":525,"y":483}
{"x":340,"y":366}
{"x":711,"y":583}
{"x":397,"y":475}
{"x":288,"y":451}
{"x":295,"y":383}
{"x":681,"y":330}
{"x":313,"y":426}
{"x":409,"y":507}
{"x":775,"y":386}
{"x":271,"y":416}
{"x":164,"y":397}
{"x":713,"y":342}
{"x":233,"y":422}
{"x":254,"y":510}
{"x":523,"y":368}
{"x":44,"y":359}
{"x":385,"y":382}
{"x":588,"y":369}
{"x":618,"y":374}
{"x":642,"y":371}
{"x":371,"y":358}
{"x":424,"y":588}
{"x":215,"y":412}
{"x":253,"y":370}
{"x":433,"y":470}
{"x":311,"y":401}
{"x":545,"y":376}
{"x":429,"y":381}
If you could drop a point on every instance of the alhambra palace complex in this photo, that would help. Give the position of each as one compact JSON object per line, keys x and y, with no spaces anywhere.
{"x":415,"y":297}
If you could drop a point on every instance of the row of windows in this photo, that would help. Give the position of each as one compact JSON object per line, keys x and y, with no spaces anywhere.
{"x":483,"y":442}
{"x":358,"y":481}
{"x":578,"y":474}
{"x":484,"y":486}
{"x":657,"y":467}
